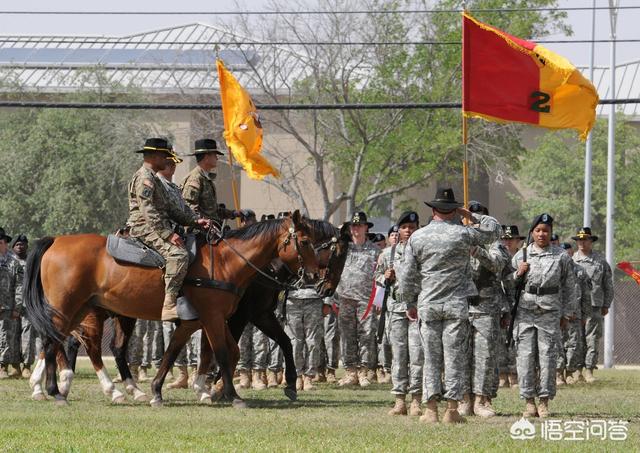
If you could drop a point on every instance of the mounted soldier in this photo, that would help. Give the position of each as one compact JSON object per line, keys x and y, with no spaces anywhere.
{"x":151,"y":213}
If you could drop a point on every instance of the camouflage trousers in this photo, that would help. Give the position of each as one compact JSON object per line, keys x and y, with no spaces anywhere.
{"x":305,"y":328}
{"x":385,"y":354}
{"x":177,"y":261}
{"x":9,"y":338}
{"x":357,"y":337}
{"x":593,"y":334}
{"x":536,"y":334}
{"x":506,"y":356}
{"x":30,"y":344}
{"x":146,"y":345}
{"x":330,"y":356}
{"x":190,"y":353}
{"x":484,"y":337}
{"x":571,"y":351}
{"x":407,"y":354}
{"x":254,"y":349}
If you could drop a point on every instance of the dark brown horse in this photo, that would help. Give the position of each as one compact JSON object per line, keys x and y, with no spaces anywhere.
{"x":67,"y":275}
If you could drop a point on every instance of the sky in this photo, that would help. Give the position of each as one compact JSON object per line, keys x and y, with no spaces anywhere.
{"x":578,"y":54}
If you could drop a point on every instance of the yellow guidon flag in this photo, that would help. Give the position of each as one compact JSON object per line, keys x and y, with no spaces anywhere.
{"x":242,"y":128}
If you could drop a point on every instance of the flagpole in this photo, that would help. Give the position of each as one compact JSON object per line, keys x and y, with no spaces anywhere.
{"x":465,"y":138}
{"x":588,"y":155}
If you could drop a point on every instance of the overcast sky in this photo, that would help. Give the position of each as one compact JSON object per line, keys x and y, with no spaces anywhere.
{"x":628,"y":22}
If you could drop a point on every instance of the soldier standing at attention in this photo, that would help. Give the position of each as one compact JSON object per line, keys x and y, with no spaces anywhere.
{"x":547,"y":302}
{"x":30,"y":344}
{"x":150,"y":214}
{"x":406,"y":349}
{"x":11,"y":276}
{"x":601,"y":278}
{"x":436,"y":283}
{"x":357,"y":336}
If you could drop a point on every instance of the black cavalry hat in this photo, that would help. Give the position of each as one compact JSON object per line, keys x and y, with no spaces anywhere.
{"x":360,"y":218}
{"x":445,"y":201}
{"x":511,"y":232}
{"x":408,"y":217}
{"x":206,"y":146}
{"x":157,"y":144}
{"x":585,"y":233}
{"x":4,"y":235}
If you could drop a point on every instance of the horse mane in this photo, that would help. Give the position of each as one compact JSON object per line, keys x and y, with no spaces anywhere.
{"x":271,"y":227}
{"x":323,"y":228}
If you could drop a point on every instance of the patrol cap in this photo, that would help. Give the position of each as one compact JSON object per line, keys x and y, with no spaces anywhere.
{"x":585,"y":233}
{"x":4,"y":235}
{"x":511,"y":232}
{"x":409,"y":217}
{"x":393,"y":229}
{"x":205,"y":146}
{"x":19,"y":238}
{"x":157,"y":144}
{"x":445,"y":201}
{"x":476,"y":206}
{"x":542,"y":218}
{"x":360,"y":218}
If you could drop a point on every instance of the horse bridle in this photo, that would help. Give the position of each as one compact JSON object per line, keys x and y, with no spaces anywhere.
{"x":331,"y":244}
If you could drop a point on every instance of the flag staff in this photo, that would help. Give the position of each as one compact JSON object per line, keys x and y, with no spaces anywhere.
{"x":465,"y":138}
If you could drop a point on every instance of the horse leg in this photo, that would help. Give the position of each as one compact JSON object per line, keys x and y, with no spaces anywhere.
{"x":37,"y":376}
{"x":269,"y":325}
{"x":73,"y":346}
{"x":199,"y":383}
{"x":178,"y":340}
{"x":123,"y":329}
{"x":53,"y":350}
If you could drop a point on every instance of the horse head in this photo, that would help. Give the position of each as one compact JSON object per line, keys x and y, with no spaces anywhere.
{"x":295,"y":247}
{"x":332,"y":255}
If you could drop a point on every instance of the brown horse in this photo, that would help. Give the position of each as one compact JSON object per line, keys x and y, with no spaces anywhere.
{"x":67,"y":275}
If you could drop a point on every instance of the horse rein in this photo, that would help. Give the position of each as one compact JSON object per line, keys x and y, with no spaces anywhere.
{"x":331,"y":244}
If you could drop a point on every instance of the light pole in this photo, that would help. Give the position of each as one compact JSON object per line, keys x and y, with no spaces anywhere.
{"x":586,"y":221}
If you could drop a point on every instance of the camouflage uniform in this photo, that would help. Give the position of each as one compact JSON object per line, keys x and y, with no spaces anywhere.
{"x":11,"y":276}
{"x":357,"y":337}
{"x":548,"y":296}
{"x":254,"y":349}
{"x":305,"y":328}
{"x":275,"y":358}
{"x":151,"y":212}
{"x":331,"y":340}
{"x":507,"y":355}
{"x":436,"y":277}
{"x":485,"y":311}
{"x":601,"y":295}
{"x":30,"y":344}
{"x":404,"y":335}
{"x":199,"y":191}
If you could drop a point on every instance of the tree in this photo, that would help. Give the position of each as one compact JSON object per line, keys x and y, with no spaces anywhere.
{"x":554,"y":173}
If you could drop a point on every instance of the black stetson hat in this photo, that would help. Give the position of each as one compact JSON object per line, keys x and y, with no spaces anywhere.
{"x":408,"y":217}
{"x":511,"y":232}
{"x":157,"y":144}
{"x":585,"y":233}
{"x":445,"y":201}
{"x":206,"y":146}
{"x":4,"y":235}
{"x":359,"y":218}
{"x":19,"y":238}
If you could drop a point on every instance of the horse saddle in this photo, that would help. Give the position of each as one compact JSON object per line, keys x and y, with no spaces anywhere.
{"x":134,"y":251}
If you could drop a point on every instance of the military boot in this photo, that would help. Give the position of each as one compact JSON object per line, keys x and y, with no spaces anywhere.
{"x":481,"y":409}
{"x":16,"y":372}
{"x":588,"y":376}
{"x":570,"y":377}
{"x":307,"y":383}
{"x":430,"y":412}
{"x":416,"y":402}
{"x":245,"y":379}
{"x":272,"y":379}
{"x":400,"y":407}
{"x":299,"y":383}
{"x":580,"y":379}
{"x":331,"y":376}
{"x":380,"y":375}
{"x":452,"y":415}
{"x":350,"y":377}
{"x":26,"y":372}
{"x":530,"y":409}
{"x":142,"y":374}
{"x":363,"y":377}
{"x":182,"y":381}
{"x":387,"y":377}
{"x":134,"y":371}
{"x":543,"y":408}
{"x":280,"y":375}
{"x":320,"y":377}
{"x":560,"y":381}
{"x":193,"y":374}
{"x":466,"y":406}
{"x":169,"y":310}
{"x":513,"y":380}
{"x":259,"y":380}
{"x":503,"y":380}
{"x":371,"y":375}
{"x":3,"y":371}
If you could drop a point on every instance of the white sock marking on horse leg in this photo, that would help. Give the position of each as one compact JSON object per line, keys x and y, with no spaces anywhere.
{"x":38,"y":375}
{"x":199,"y":386}
{"x":66,"y":376}
{"x":105,"y":381}
{"x":130,"y":385}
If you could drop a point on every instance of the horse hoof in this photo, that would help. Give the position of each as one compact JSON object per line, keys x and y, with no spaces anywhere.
{"x":239,"y":404}
{"x":118,"y":399}
{"x":292,"y":394}
{"x":205,"y":398}
{"x":130,"y":389}
{"x":156,"y":402}
{"x":141,"y":398}
{"x":38,"y":396}
{"x":61,"y":401}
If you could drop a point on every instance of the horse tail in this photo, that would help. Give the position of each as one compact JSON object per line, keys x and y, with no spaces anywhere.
{"x":38,"y":310}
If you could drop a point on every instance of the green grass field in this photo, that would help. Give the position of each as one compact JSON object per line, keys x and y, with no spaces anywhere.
{"x":328,"y":419}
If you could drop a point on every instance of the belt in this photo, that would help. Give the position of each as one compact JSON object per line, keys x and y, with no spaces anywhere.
{"x":542,"y":291}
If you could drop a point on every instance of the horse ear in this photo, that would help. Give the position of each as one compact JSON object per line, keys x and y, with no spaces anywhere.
{"x":296,"y":218}
{"x":344,"y":231}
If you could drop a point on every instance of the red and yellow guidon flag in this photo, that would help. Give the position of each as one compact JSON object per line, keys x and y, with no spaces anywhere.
{"x":242,"y":127}
{"x":508,"y":79}
{"x":629,"y":270}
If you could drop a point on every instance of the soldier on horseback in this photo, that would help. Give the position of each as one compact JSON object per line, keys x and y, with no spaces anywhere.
{"x":151,"y":212}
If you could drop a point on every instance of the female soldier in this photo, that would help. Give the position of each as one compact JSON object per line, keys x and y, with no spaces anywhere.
{"x":546,"y":282}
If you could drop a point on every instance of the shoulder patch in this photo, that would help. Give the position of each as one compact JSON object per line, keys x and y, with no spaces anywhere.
{"x":147,"y":192}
